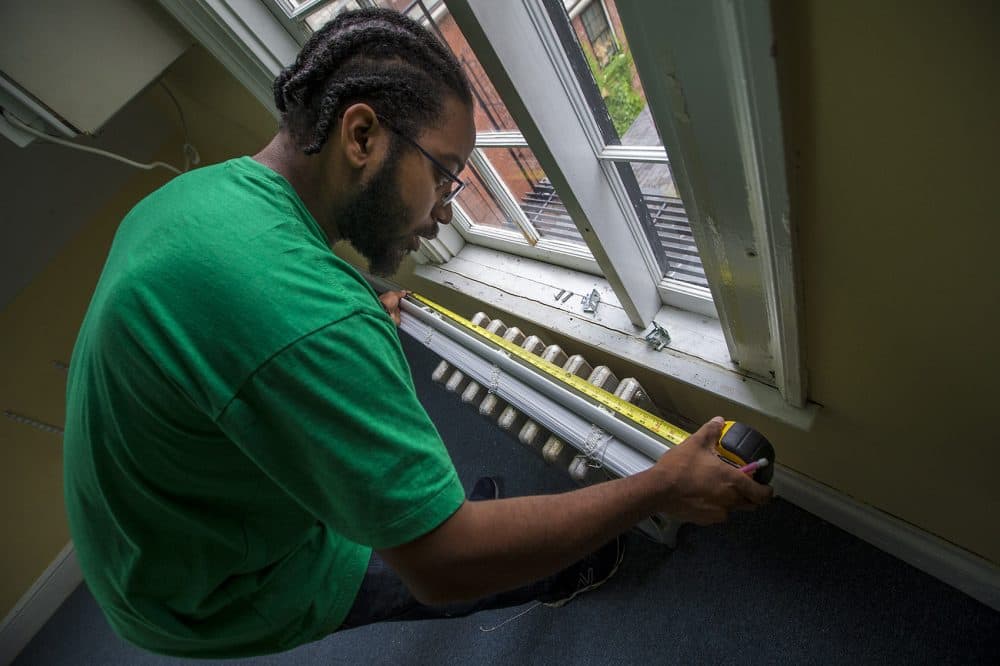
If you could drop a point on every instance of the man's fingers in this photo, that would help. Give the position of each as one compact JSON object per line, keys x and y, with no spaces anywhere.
{"x":391,"y":298}
{"x":708,"y":435}
{"x":390,"y":303}
{"x":753,"y":492}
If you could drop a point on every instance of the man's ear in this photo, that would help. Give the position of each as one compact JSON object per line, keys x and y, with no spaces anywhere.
{"x":361,"y":134}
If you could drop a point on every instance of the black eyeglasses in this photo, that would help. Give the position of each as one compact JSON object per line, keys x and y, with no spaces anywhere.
{"x":451,"y":194}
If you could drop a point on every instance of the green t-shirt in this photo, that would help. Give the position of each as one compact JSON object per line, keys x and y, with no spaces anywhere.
{"x":242,"y":427}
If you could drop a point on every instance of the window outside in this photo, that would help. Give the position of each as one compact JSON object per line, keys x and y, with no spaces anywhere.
{"x":615,"y":76}
{"x":479,"y":203}
{"x":321,"y":16}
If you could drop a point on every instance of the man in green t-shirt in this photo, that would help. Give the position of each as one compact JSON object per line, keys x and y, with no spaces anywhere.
{"x":247,"y":466}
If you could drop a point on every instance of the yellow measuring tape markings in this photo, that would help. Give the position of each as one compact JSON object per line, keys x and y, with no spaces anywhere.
{"x":637,"y":415}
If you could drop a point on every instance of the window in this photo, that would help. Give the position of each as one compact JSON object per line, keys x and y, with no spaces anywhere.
{"x":705,"y":230}
{"x":632,"y":143}
{"x":602,"y":40}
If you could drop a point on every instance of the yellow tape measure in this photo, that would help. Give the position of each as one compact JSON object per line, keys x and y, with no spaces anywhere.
{"x":637,"y":415}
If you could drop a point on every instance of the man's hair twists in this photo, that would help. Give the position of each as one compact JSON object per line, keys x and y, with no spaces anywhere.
{"x":377,"y":56}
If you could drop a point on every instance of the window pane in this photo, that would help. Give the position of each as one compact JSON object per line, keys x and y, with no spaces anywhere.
{"x":321,"y":16}
{"x":671,"y":229}
{"x":480,"y":205}
{"x":654,"y":179}
{"x":674,"y":232}
{"x":526,"y":181}
{"x":614,"y":73}
{"x":615,"y":86}
{"x":546,"y":212}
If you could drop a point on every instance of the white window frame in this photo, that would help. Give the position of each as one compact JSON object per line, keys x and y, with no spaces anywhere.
{"x":528,"y":66}
{"x":529,"y":242}
{"x":711,"y":87}
{"x":710,"y":81}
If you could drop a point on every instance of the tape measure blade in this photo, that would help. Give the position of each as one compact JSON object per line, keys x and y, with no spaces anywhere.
{"x":669,"y":433}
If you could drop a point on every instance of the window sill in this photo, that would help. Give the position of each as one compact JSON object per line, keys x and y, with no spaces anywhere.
{"x":697,"y":354}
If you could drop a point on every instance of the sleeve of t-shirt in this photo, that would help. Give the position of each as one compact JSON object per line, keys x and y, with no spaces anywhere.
{"x":334,"y":420}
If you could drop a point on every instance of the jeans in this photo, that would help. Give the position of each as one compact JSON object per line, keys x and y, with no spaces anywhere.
{"x":384,"y":597}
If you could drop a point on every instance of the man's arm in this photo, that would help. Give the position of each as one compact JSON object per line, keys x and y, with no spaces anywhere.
{"x":491,"y":546}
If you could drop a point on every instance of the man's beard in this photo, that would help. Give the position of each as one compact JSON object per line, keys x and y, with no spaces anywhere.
{"x":374,"y":221}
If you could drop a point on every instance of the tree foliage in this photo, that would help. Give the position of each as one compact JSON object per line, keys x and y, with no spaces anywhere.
{"x":614,"y":81}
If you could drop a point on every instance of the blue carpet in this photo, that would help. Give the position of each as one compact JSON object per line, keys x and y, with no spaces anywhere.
{"x":778,"y":586}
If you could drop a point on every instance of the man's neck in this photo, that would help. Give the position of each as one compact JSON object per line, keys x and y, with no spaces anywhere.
{"x":307,"y":176}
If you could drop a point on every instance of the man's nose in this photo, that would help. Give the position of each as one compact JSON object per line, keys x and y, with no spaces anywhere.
{"x":442,"y":213}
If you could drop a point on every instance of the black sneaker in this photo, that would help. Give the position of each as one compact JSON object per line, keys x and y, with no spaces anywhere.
{"x":486,"y":488}
{"x":588,"y":574}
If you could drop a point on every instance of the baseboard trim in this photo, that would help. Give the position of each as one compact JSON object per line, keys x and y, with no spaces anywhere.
{"x":973,"y":575}
{"x":39,"y":603}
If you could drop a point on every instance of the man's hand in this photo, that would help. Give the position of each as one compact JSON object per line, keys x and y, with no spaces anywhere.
{"x":702,"y":488}
{"x":390,"y":303}
{"x":487,"y":547}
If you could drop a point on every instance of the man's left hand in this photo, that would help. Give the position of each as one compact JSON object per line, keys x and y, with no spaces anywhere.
{"x":390,"y":303}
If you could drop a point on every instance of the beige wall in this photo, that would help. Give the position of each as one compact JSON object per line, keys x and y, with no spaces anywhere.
{"x":39,"y":324}
{"x":890,"y":116}
{"x":892,"y":139}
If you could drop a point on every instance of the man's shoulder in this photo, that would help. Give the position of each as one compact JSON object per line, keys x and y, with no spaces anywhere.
{"x":236,"y":277}
{"x":236,"y":192}
{"x":232,"y":234}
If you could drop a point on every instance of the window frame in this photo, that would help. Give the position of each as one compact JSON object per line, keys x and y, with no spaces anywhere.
{"x":717,"y":114}
{"x":551,"y":110}
{"x":716,"y":111}
{"x":712,"y":89}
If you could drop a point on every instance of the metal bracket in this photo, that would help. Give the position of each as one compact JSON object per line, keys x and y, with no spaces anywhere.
{"x":658,"y":338}
{"x":591,"y":301}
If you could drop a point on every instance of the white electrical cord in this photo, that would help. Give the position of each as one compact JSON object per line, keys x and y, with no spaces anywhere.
{"x":18,"y":123}
{"x":191,"y":156}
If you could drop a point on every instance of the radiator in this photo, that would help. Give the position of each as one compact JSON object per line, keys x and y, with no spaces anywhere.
{"x":586,"y":459}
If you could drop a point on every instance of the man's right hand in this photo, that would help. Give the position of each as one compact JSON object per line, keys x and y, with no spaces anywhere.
{"x":490,"y":546}
{"x":700,"y":488}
